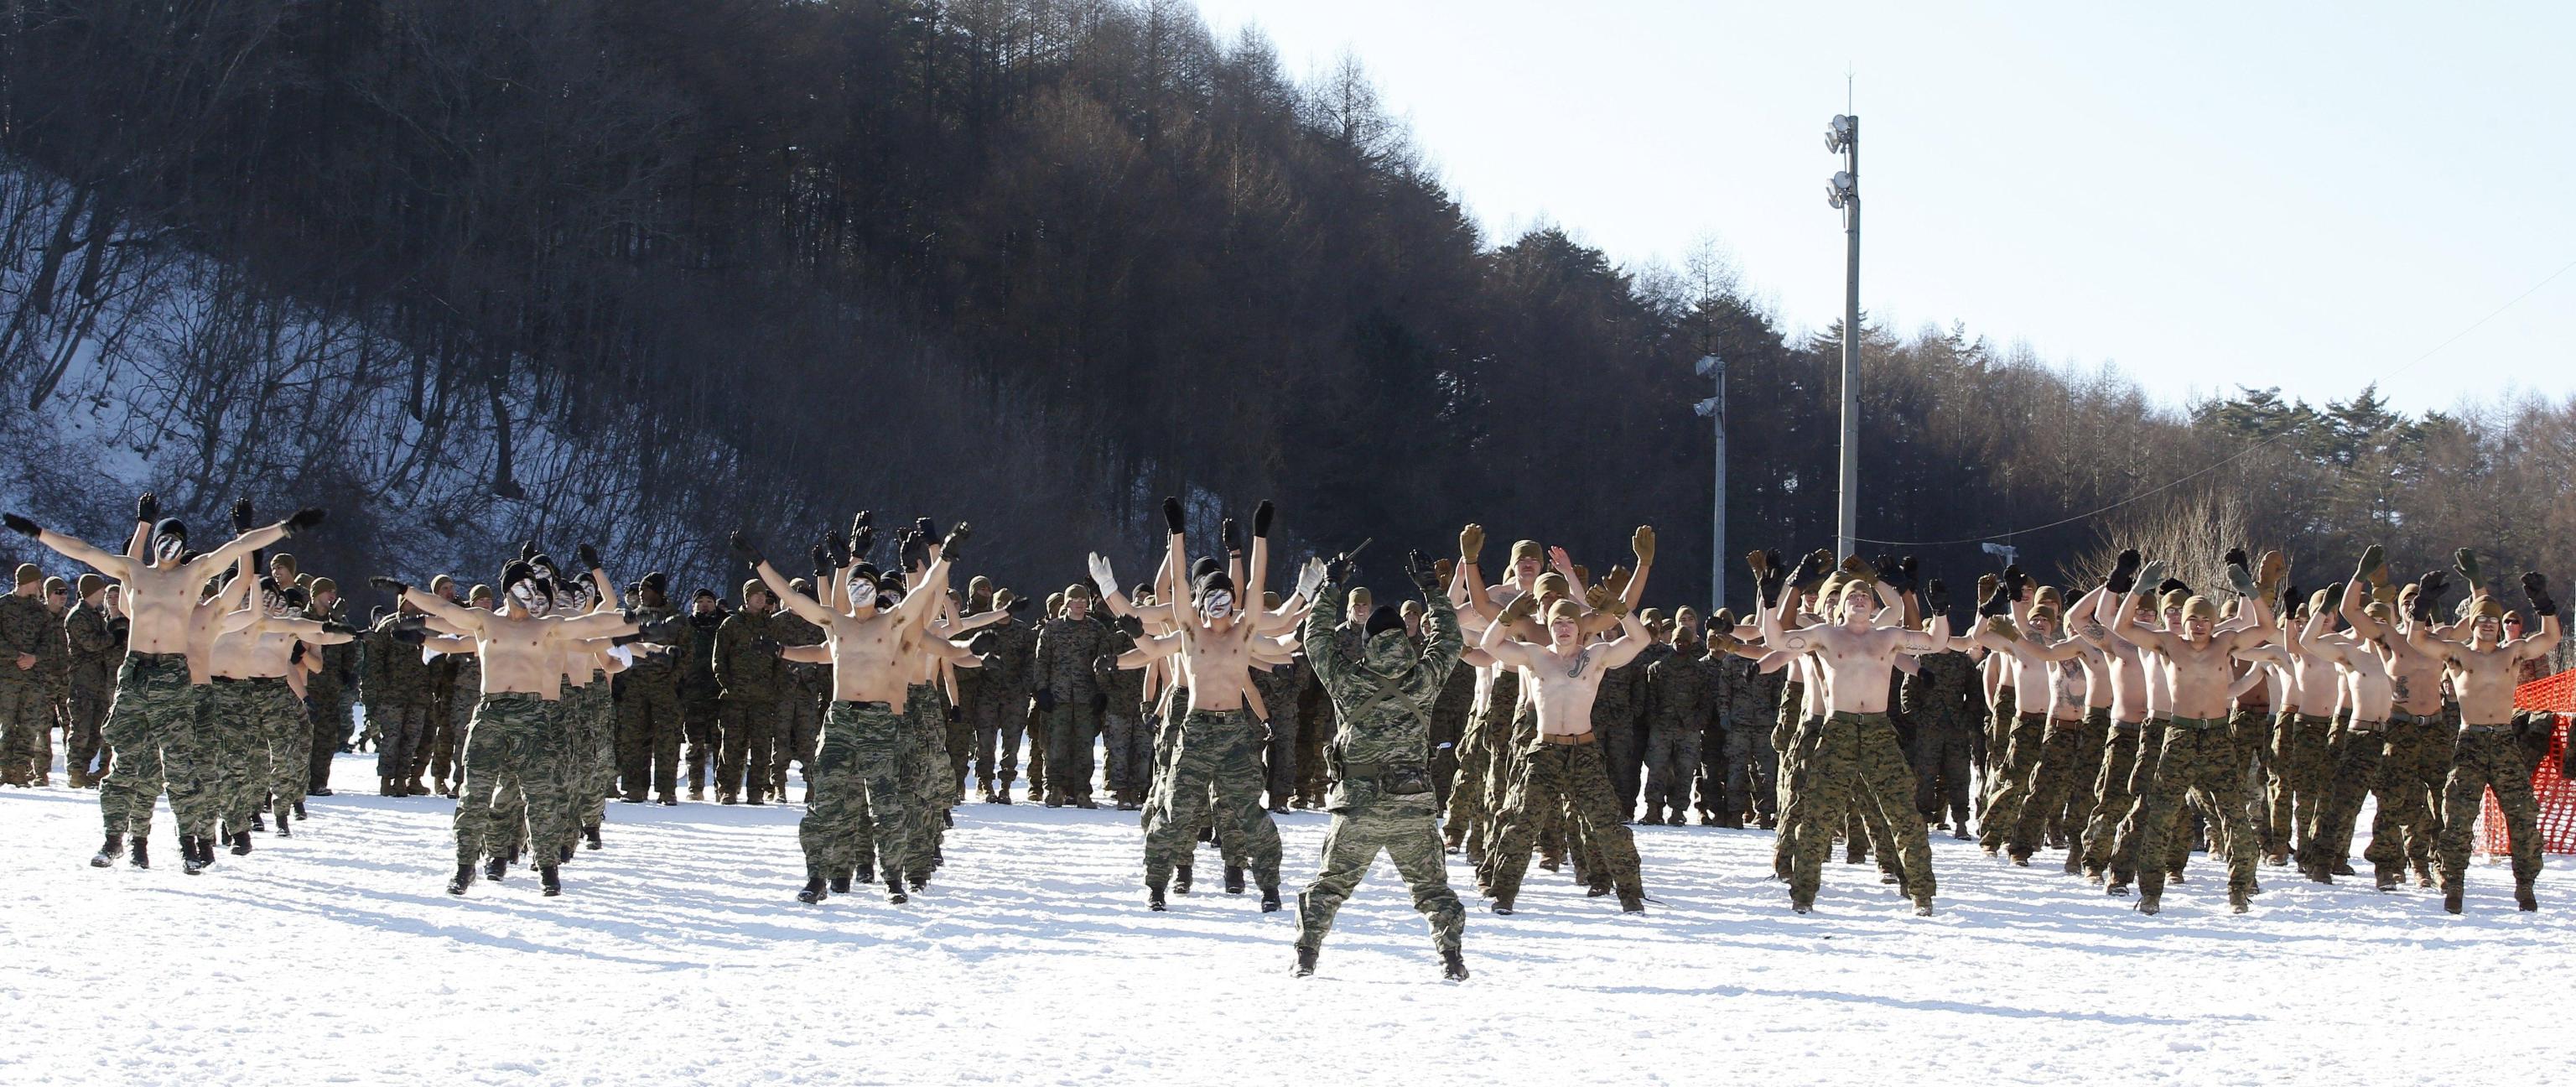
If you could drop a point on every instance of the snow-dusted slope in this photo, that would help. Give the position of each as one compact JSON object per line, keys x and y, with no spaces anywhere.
{"x":677,"y":955}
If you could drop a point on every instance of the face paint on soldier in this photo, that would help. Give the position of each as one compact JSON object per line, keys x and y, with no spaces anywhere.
{"x":169,"y":541}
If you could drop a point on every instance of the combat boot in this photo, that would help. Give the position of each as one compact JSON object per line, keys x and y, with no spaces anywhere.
{"x":299,"y":809}
{"x":108,"y":853}
{"x":590,"y":836}
{"x":1654,"y":815}
{"x":1923,"y":906}
{"x":754,"y":797}
{"x":1305,"y":962}
{"x":2451,"y":894}
{"x":1453,"y":965}
{"x":241,"y":843}
{"x":841,"y":884}
{"x":1085,"y":802}
{"x":2238,"y":900}
{"x":813,"y":891}
{"x":563,"y":854}
{"x":1054,"y":799}
{"x":724,"y":798}
{"x":986,"y":790}
{"x":1632,"y":902}
{"x":697,"y":792}
{"x":1234,"y":879}
{"x":1002,"y":792}
{"x":74,"y":778}
{"x":1596,"y":887}
{"x":285,"y":829}
{"x":142,"y":857}
{"x":1154,"y":897}
{"x":2150,"y":904}
{"x":667,"y":800}
{"x":1270,"y":900}
{"x":463,"y":879}
{"x":416,"y":788}
{"x":496,"y":867}
{"x":1180,"y":879}
{"x":2388,"y":878}
{"x":318,"y":790}
{"x":258,"y":821}
{"x":2524,"y":897}
{"x":2074,"y":862}
{"x":547,"y":878}
{"x":894,"y":893}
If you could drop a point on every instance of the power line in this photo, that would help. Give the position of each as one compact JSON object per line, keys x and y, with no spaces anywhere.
{"x":2239,"y":454}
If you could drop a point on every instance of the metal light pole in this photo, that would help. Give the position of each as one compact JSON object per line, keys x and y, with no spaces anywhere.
{"x":1713,"y":367}
{"x":1843,"y":192}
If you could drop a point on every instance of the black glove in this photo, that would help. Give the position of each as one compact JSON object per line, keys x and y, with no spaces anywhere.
{"x":1936,"y":596}
{"x":745,"y":548}
{"x":953,"y":713}
{"x":1990,"y":596}
{"x":2236,"y":557}
{"x":335,"y":626}
{"x":957,"y":534}
{"x":2124,"y":572}
{"x":1913,"y":574}
{"x":1814,"y":567}
{"x":2421,"y":607}
{"x":863,"y":534}
{"x":1261,"y":516}
{"x":409,"y":630}
{"x":527,"y":550}
{"x":1418,"y":567}
{"x":836,"y":550}
{"x":1018,"y":604}
{"x":916,"y":551}
{"x":1230,"y":536}
{"x":20,"y":525}
{"x":589,"y":557}
{"x":241,"y":515}
{"x":1778,"y":576}
{"x":1099,"y":702}
{"x":2014,"y":582}
{"x":1046,"y":701}
{"x":304,"y":518}
{"x":2431,"y":586}
{"x":2536,"y":587}
{"x":922,"y":527}
{"x":1172,"y":515}
{"x":389,"y":584}
{"x":147,"y":509}
{"x":2467,"y":563}
{"x":822,"y":566}
{"x":1339,"y":569}
{"x":2291,"y":598}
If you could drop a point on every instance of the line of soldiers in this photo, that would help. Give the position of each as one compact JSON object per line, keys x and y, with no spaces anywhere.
{"x":57,"y":669}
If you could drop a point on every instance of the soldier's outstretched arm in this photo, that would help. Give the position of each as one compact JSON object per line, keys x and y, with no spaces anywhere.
{"x":237,"y":547}
{"x":1633,"y":639}
{"x":1259,"y":578}
{"x":1642,"y":544}
{"x":462,"y":620}
{"x":76,"y":550}
{"x":806,"y":654}
{"x":1149,"y":649}
{"x":805,"y":607}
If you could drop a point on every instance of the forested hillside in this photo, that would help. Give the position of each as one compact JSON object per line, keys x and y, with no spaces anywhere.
{"x":637,"y":271}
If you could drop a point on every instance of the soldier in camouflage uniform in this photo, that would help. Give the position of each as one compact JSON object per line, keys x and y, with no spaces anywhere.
{"x":1281,"y":687}
{"x":1941,"y":699}
{"x":56,"y":669}
{"x":1381,"y":797}
{"x":1126,"y":731}
{"x":1746,"y":777}
{"x":649,"y":722}
{"x":1449,"y":728}
{"x":97,"y":642}
{"x":1069,"y":693}
{"x":30,"y":638}
{"x":1624,"y":730}
{"x":395,"y":683}
{"x":997,"y":704}
{"x":701,"y":697}
{"x":808,"y":688}
{"x":751,"y":680}
{"x":326,"y":692}
{"x":1561,"y":761}
{"x":2483,"y":671}
{"x":1682,"y":695}
{"x":438,"y":754}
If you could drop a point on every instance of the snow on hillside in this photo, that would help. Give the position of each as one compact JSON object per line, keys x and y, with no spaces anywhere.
{"x":677,"y":955}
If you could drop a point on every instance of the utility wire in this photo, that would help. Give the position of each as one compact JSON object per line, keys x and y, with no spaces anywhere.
{"x":2239,"y":454}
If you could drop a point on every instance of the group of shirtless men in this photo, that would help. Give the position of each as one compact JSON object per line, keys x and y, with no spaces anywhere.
{"x":2370,"y":681}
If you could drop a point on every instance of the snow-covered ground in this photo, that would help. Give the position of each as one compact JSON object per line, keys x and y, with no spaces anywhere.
{"x":677,"y":955}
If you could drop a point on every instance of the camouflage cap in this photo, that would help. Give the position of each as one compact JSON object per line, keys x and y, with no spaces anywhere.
{"x":90,"y":584}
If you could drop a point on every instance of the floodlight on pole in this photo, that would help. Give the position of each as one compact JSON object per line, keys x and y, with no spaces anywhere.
{"x":1714,"y":410}
{"x":1842,"y":191}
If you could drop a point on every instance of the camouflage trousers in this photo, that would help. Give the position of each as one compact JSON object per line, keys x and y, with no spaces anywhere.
{"x":2304,"y":769}
{"x":2358,"y":753}
{"x":2025,"y":738}
{"x":925,"y":767}
{"x":329,"y":712}
{"x":1467,"y":787}
{"x":748,"y":742}
{"x":2084,"y":774}
{"x":2250,"y":726}
{"x":156,"y":734}
{"x":1750,"y":781}
{"x":800,"y":731}
{"x":648,"y":738}
{"x":2052,"y":779}
{"x":1553,"y":776}
{"x":2487,"y":757}
{"x":277,"y":749}
{"x":594,"y":754}
{"x":2000,"y":716}
{"x":514,"y":755}
{"x":1856,"y":765}
{"x":862,"y":800}
{"x":2113,"y":799}
{"x":1404,"y":828}
{"x":1215,"y":759}
{"x":2132,"y":830}
{"x":26,"y":721}
{"x":1797,"y":742}
{"x":1672,"y":759}
{"x":82,"y":717}
{"x":2197,"y":763}
{"x":237,"y":731}
{"x":1941,"y":774}
{"x":402,"y":731}
{"x":998,"y":720}
{"x":1034,"y":725}
{"x":2408,"y":821}
{"x":1073,"y":734}
{"x":1280,"y":755}
{"x":1128,"y":739}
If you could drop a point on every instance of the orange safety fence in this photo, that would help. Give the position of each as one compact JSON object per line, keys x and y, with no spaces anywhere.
{"x":2549,"y":785}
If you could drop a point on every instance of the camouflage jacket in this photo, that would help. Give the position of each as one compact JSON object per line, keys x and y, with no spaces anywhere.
{"x":745,"y":657}
{"x":1010,"y":653}
{"x":394,"y":674}
{"x":801,"y":678}
{"x":661,"y":670}
{"x":1620,"y":706}
{"x":697,"y":667}
{"x":1942,"y":697}
{"x":1457,"y":699}
{"x":1281,"y":687}
{"x":26,"y":627}
{"x":1746,"y":697}
{"x":1066,"y":650}
{"x":339,"y":662}
{"x":1382,"y":723}
{"x":97,"y":647}
{"x":1682,"y":692}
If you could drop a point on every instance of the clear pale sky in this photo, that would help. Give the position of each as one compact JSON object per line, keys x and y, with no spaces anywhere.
{"x":2301,"y":195}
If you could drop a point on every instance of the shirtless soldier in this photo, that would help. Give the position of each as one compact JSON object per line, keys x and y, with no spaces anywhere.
{"x":860,"y":765}
{"x":2197,"y":760}
{"x":1220,"y":740}
{"x":152,"y":726}
{"x":2483,"y":671}
{"x":1855,"y":758}
{"x":516,"y":737}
